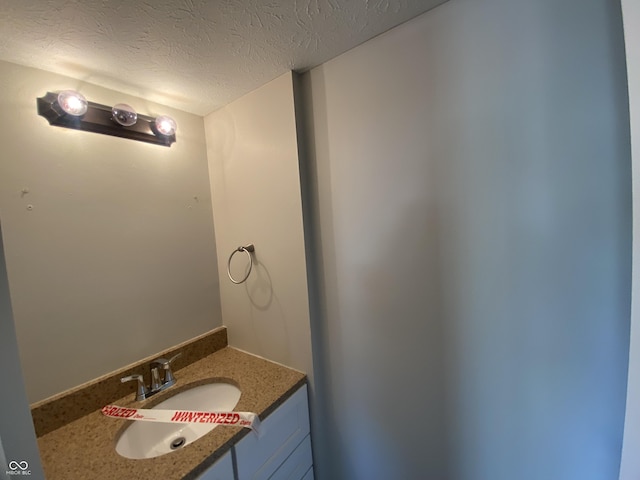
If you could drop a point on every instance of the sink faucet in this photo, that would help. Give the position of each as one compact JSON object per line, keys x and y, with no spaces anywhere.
{"x":168,"y":378}
{"x":158,"y":384}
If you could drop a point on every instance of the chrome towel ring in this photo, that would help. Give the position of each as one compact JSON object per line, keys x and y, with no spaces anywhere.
{"x":248,"y":249}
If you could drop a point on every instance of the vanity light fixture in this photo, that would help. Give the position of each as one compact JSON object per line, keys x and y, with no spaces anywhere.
{"x":69,"y":109}
{"x":124,"y":114}
{"x":73,"y":102}
{"x":165,"y":125}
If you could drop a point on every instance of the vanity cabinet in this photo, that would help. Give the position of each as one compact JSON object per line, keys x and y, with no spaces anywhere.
{"x":221,"y":470}
{"x":282,"y":451}
{"x":283,"y":448}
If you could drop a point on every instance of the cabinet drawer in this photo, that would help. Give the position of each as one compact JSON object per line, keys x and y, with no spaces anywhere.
{"x":297,"y":464}
{"x":258,"y":457}
{"x":309,"y":475}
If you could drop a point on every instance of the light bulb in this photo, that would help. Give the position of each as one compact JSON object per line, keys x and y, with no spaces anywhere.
{"x":124,"y":114}
{"x":166,"y":125}
{"x":73,"y":102}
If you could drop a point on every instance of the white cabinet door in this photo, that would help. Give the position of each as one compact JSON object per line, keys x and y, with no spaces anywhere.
{"x":258,"y":457}
{"x":221,"y":470}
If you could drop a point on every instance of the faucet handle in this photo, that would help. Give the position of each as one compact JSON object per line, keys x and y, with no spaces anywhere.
{"x":155,"y":379}
{"x":164,"y":363}
{"x":169,"y":379}
{"x":170,"y":361}
{"x":168,"y":373}
{"x":141,"y":392}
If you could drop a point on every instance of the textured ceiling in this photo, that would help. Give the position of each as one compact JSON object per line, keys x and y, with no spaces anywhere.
{"x":194,"y":55}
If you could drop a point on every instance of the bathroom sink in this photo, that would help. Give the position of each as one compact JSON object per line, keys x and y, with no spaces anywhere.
{"x":148,"y":440}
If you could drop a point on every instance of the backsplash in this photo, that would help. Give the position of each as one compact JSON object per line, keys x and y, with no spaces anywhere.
{"x":54,"y":412}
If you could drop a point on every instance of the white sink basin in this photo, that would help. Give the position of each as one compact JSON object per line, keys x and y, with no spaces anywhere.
{"x":148,"y":440}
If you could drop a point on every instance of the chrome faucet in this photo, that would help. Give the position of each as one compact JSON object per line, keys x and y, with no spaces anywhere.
{"x":167,"y":379}
{"x":142,"y":391}
{"x":158,"y":384}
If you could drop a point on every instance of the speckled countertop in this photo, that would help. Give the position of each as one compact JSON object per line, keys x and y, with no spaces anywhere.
{"x":84,"y":447}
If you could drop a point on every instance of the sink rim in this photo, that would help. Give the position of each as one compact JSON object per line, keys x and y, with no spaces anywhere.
{"x":161,"y":397}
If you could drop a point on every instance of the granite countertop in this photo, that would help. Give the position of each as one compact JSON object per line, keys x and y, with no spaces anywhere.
{"x":85,"y":447}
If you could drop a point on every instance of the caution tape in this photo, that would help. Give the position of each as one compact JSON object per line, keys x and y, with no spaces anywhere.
{"x":236,"y":419}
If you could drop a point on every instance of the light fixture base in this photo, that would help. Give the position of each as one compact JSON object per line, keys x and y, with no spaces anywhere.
{"x":99,"y":119}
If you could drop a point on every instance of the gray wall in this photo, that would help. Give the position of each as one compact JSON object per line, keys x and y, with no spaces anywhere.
{"x":630,"y":464}
{"x":469,"y":195}
{"x":18,"y":439}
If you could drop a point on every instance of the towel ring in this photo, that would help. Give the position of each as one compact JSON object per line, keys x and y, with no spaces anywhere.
{"x":248,"y":249}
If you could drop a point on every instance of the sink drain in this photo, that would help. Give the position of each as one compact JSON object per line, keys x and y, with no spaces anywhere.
{"x":177,"y":443}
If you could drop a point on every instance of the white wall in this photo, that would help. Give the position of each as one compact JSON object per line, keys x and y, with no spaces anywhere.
{"x":473,"y":217}
{"x":17,"y":436}
{"x":255,"y":185}
{"x":630,"y":466}
{"x":117,"y":259}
